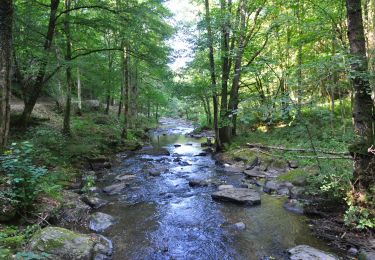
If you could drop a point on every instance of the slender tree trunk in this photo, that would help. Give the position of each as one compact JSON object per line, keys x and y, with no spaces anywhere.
{"x":363,"y":110}
{"x":213,"y":76}
{"x":79,"y":94}
{"x":109,"y":83}
{"x":69,"y":80}
{"x":224,"y":129}
{"x":124,"y":134}
{"x":299,"y":57}
{"x":157,"y":112}
{"x":31,"y":90}
{"x":209,"y":111}
{"x":6,"y":21}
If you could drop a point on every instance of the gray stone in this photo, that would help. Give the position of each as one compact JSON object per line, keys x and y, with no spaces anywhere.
{"x":240,"y":226}
{"x":156,"y":152}
{"x":198,"y":183}
{"x":117,"y":188}
{"x":125,"y":177}
{"x":255,"y":173}
{"x":100,"y":221}
{"x":238,"y":195}
{"x":279,"y":188}
{"x":233,"y":168}
{"x":366,"y":255}
{"x":177,"y":145}
{"x":94,"y":202}
{"x":61,"y":244}
{"x":304,"y":252}
{"x":353,"y":251}
{"x":223,"y":187}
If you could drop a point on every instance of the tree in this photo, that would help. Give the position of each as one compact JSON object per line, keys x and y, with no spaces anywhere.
{"x":213,"y":74}
{"x":33,"y":85}
{"x":363,"y":108}
{"x":6,"y":21}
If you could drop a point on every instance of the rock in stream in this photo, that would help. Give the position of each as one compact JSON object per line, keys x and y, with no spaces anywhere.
{"x":304,"y":252}
{"x":238,"y":195}
{"x":100,"y":221}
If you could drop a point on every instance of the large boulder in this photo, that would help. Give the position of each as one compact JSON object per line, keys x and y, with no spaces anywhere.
{"x":73,"y":210}
{"x":304,"y":252}
{"x":62,"y":244}
{"x":238,"y":195}
{"x":100,"y":221}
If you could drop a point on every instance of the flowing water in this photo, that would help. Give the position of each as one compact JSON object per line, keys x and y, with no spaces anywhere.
{"x":163,"y":217}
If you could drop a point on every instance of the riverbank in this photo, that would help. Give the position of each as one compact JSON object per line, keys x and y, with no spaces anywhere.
{"x":265,"y":154}
{"x":66,"y":165}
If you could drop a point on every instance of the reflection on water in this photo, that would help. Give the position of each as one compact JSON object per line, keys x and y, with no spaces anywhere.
{"x":163,"y":218}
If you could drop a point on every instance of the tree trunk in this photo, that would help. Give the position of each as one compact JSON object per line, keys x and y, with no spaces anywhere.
{"x":233,"y":101}
{"x":124,"y":134}
{"x":109,"y":83}
{"x":209,"y":111}
{"x":69,"y":80}
{"x":363,"y":114}
{"x":213,"y":75}
{"x":6,"y":21}
{"x":31,"y":90}
{"x":79,"y":97}
{"x":224,"y":129}
{"x":299,"y":57}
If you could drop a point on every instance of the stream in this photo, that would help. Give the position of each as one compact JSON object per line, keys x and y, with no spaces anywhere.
{"x":162,"y":217}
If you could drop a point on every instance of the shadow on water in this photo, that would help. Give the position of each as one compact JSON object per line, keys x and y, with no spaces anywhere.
{"x":163,"y":217}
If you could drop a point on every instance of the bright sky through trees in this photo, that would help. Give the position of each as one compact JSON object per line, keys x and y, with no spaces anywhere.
{"x":185,"y":14}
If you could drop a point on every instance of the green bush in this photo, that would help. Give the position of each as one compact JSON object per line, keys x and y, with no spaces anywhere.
{"x":25,"y":180}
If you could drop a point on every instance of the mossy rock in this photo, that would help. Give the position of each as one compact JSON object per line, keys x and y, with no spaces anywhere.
{"x":59,"y":243}
{"x":297,"y":177}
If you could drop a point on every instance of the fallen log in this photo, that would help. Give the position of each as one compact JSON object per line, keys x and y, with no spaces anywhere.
{"x":300,"y":150}
{"x":308,"y":157}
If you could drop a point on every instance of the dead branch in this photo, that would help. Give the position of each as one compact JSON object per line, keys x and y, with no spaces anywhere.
{"x":260,"y":146}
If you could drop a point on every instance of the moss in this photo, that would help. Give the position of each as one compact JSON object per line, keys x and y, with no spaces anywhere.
{"x":245,"y":155}
{"x":13,"y":242}
{"x":52,"y":238}
{"x":296,"y":176}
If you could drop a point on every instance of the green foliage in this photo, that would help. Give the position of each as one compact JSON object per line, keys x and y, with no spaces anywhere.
{"x":25,"y":180}
{"x":360,"y":217}
{"x":14,"y":238}
{"x":88,"y":183}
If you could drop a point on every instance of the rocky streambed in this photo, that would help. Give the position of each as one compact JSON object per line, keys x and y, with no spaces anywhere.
{"x":173,"y":200}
